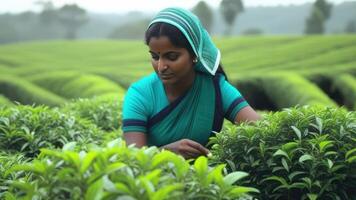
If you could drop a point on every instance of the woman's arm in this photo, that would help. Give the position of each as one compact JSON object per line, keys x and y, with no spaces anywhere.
{"x":137,"y":138}
{"x":247,"y":114}
{"x":185,"y":147}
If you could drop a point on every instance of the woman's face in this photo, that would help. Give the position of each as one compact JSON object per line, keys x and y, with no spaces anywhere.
{"x":172,"y":64}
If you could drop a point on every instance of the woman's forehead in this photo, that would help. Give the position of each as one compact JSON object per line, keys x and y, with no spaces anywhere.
{"x":162,"y":44}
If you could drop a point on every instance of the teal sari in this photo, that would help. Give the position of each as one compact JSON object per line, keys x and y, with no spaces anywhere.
{"x":196,"y":115}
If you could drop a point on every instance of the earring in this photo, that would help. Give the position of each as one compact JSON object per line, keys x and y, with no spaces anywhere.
{"x":195,"y":60}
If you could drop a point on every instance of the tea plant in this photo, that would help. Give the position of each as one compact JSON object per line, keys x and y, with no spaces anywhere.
{"x":27,"y":129}
{"x":299,"y":153}
{"x":105,"y":112}
{"x":120,"y":172}
{"x":6,"y":162}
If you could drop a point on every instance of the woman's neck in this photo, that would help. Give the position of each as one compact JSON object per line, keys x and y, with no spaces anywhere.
{"x":173,"y":91}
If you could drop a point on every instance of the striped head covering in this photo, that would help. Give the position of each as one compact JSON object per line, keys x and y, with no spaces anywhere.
{"x":207,"y":54}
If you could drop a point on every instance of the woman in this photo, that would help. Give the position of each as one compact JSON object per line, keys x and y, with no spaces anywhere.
{"x":180,"y":105}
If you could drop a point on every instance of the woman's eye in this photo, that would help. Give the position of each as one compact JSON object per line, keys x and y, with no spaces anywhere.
{"x":173,"y":57}
{"x":155,"y":57}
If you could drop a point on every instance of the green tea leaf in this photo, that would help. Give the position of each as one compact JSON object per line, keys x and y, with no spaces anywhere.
{"x":216,"y":175}
{"x":312,"y":196}
{"x":87,"y":161}
{"x":201,"y":166}
{"x":165,"y":191}
{"x":240,"y":190}
{"x":348,"y":153}
{"x":234,"y":176}
{"x":330,"y":163}
{"x":95,"y":190}
{"x":289,"y":146}
{"x":280,"y":152}
{"x":351,"y":159}
{"x":297,"y":132}
{"x":114,"y":167}
{"x":285,"y":164}
{"x":305,"y":157}
{"x":294,"y":174}
{"x":324,"y":145}
{"x":70,"y":146}
{"x":281,"y":180}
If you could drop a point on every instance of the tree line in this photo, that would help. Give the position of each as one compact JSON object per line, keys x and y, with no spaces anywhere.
{"x":230,"y":9}
{"x":67,"y":21}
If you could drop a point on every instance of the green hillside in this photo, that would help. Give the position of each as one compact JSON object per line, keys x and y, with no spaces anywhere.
{"x":110,"y":65}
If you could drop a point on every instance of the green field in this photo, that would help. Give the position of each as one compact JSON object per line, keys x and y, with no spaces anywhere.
{"x":71,"y":147}
{"x":271,"y":72}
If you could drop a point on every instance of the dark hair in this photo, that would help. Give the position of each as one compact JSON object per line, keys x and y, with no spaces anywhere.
{"x":176,"y":37}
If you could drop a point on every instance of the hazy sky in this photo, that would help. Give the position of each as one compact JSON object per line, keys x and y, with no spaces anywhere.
{"x":119,"y":6}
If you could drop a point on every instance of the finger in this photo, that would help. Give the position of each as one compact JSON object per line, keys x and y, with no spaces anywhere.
{"x":190,"y":150}
{"x":199,"y":147}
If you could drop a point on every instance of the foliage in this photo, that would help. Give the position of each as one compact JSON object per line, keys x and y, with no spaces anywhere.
{"x":4,"y":101}
{"x":102,"y":111}
{"x":7,"y":161}
{"x":287,"y":90}
{"x":229,"y":10}
{"x":54,"y":65}
{"x":71,"y":84}
{"x":315,"y":22}
{"x":346,"y":84}
{"x":26,"y":129}
{"x":72,"y":17}
{"x":120,"y":172}
{"x":321,"y":11}
{"x":204,"y":13}
{"x":17,"y":89}
{"x":351,"y":27}
{"x":298,"y":153}
{"x":324,"y":7}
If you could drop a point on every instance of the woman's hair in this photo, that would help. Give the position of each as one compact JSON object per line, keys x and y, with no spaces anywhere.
{"x":175,"y":36}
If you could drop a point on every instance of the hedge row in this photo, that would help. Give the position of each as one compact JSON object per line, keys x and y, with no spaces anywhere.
{"x":298,"y":153}
{"x":346,"y":84}
{"x":71,"y":84}
{"x":120,"y":172}
{"x":27,"y":129}
{"x":5,"y":101}
{"x":104,"y":111}
{"x":278,"y":91}
{"x":288,"y":90}
{"x":22,"y":91}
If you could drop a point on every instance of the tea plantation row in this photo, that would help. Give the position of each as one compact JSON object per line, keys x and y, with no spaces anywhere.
{"x":75,"y":152}
{"x":312,"y":69}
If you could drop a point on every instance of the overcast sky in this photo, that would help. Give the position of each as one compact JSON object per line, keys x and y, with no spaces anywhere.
{"x":121,"y":6}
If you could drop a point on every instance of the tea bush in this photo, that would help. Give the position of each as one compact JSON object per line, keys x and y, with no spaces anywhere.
{"x":347,"y":85}
{"x":27,"y":129}
{"x":287,"y":90}
{"x":71,"y":84}
{"x":103,"y":111}
{"x":25,"y":92}
{"x":120,"y":172}
{"x":7,"y":161}
{"x":4,"y":101}
{"x":298,"y":153}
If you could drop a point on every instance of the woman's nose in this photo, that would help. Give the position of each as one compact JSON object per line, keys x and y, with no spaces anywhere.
{"x":161,"y":65}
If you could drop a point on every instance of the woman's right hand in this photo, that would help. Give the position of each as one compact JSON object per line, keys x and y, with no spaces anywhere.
{"x":187,"y":148}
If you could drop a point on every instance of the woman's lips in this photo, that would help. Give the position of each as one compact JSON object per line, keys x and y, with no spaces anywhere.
{"x":166,"y":76}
